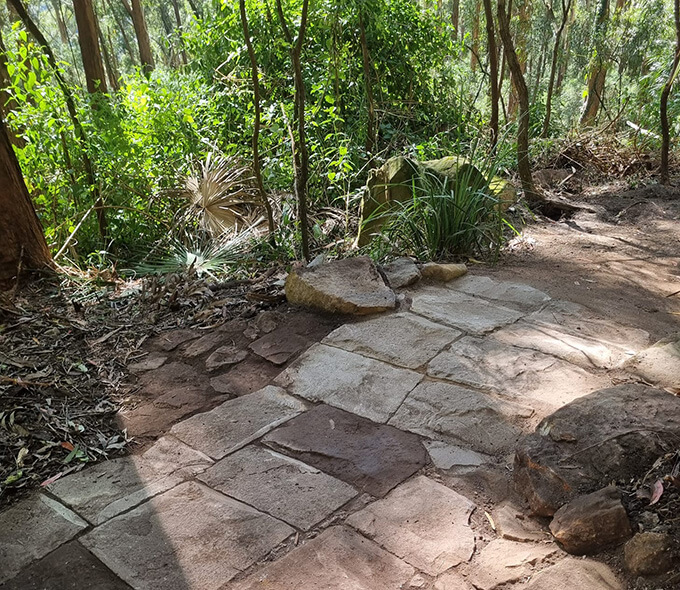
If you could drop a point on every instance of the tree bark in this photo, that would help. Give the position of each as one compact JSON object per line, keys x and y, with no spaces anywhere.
{"x":61,"y":23}
{"x":598,"y":68}
{"x":121,"y":28}
{"x":178,"y":20}
{"x":493,"y":71}
{"x":523,"y":162}
{"x":111,"y":68}
{"x":22,"y":242}
{"x":566,"y":7}
{"x":455,"y":16}
{"x":258,"y":119}
{"x":143,"y":41}
{"x":665,"y":128}
{"x":475,"y":36}
{"x":88,"y":39}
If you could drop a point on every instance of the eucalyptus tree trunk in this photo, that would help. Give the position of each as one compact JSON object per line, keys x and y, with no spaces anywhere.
{"x":88,"y":39}
{"x":178,"y":20}
{"x":474,"y":58}
{"x":493,"y":71}
{"x":136,"y":12}
{"x":598,"y":68}
{"x":566,"y":7}
{"x":665,"y":130}
{"x":121,"y":28}
{"x":61,"y":23}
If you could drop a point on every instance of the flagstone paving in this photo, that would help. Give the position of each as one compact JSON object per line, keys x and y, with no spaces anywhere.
{"x":352,"y":468}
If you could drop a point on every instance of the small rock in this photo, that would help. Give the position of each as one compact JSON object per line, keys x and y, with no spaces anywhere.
{"x":225,"y":355}
{"x":350,"y":286}
{"x":402,"y":272}
{"x":268,"y":321}
{"x":417,"y":581}
{"x":170,"y":340}
{"x":442,"y":272}
{"x":648,"y":554}
{"x":150,"y":363}
{"x":592,"y":522}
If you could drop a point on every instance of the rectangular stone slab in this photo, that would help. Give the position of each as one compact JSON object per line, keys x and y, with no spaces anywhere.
{"x":349,"y":381}
{"x":337,"y":559}
{"x":402,"y":339}
{"x":189,"y":538}
{"x":521,"y":295}
{"x":237,"y":422}
{"x":278,"y":485}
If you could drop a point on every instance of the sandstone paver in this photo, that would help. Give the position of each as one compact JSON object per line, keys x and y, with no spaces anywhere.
{"x":446,"y":456}
{"x":462,"y":311}
{"x":402,"y":339}
{"x":462,"y":417}
{"x":189,"y":538}
{"x":371,"y":457}
{"x":423,"y":522}
{"x":349,"y":381}
{"x":279,"y":346}
{"x":503,"y":291}
{"x":223,"y":356}
{"x":452,"y":580}
{"x":237,"y":422}
{"x":281,"y":486}
{"x":337,"y":559}
{"x":33,"y":528}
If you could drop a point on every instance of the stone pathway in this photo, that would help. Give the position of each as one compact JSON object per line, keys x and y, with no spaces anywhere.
{"x":356,"y":468}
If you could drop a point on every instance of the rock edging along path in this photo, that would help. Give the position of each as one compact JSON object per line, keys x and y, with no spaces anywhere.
{"x":356,"y":468}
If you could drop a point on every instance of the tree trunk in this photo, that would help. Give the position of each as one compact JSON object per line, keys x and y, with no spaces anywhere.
{"x":493,"y":71}
{"x":178,"y":20}
{"x":474,"y":58}
{"x":88,"y":39}
{"x":111,"y":68}
{"x":665,"y":130}
{"x":143,"y":41}
{"x":455,"y":16}
{"x":121,"y":28}
{"x":598,"y":68}
{"x":523,"y":162}
{"x":553,"y":67}
{"x":368,"y":86}
{"x":22,"y":243}
{"x":61,"y":23}
{"x":258,"y":119}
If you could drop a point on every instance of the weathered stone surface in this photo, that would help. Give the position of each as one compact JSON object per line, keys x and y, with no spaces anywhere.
{"x":462,"y":417}
{"x":435,"y":271}
{"x":524,"y":296}
{"x":403,"y":339}
{"x":462,"y":311}
{"x":372,"y":457}
{"x":170,"y":340}
{"x":351,"y":286}
{"x":68,"y":568}
{"x":659,"y":364}
{"x":237,"y":422}
{"x":514,"y":525}
{"x":248,"y":376}
{"x":649,"y":554}
{"x":204,"y":344}
{"x":170,"y":377}
{"x":610,"y":435}
{"x":283,"y":487}
{"x":591,"y":523}
{"x":279,"y":346}
{"x":446,"y":456}
{"x":225,"y":355}
{"x":338,"y":558}
{"x":401,"y":272}
{"x":572,"y":573}
{"x":150,"y":362}
{"x":190,"y":537}
{"x":33,"y":528}
{"x":502,"y":562}
{"x":451,"y":580}
{"x":349,"y":381}
{"x":527,"y":375}
{"x":107,"y":489}
{"x":422,"y":522}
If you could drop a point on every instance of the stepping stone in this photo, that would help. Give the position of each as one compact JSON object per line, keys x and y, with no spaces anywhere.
{"x":659,"y":364}
{"x":451,"y":580}
{"x":371,"y":457}
{"x":237,"y":422}
{"x":467,"y":313}
{"x":338,"y":558}
{"x":514,"y":525}
{"x":279,"y":346}
{"x":66,"y":569}
{"x":524,"y":296}
{"x":283,"y":487}
{"x":171,"y":377}
{"x":511,"y":371}
{"x":225,"y":355}
{"x":423,"y":522}
{"x":152,"y":361}
{"x":248,"y":376}
{"x":204,"y":344}
{"x":446,"y":456}
{"x":107,"y":489}
{"x":170,"y":340}
{"x":503,"y":562}
{"x":189,"y":537}
{"x":401,"y":272}
{"x":33,"y":528}
{"x":462,"y":417}
{"x":572,"y":573}
{"x":402,"y":339}
{"x":360,"y":385}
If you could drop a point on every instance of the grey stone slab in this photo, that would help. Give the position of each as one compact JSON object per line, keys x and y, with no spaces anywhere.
{"x":107,"y":489}
{"x":446,"y":456}
{"x":470,"y":314}
{"x":70,"y":567}
{"x":571,"y":573}
{"x":519,"y":373}
{"x":189,"y":538}
{"x":284,"y":487}
{"x":371,"y":457}
{"x":349,"y":381}
{"x":422,"y":522}
{"x":237,"y":422}
{"x":523,"y":295}
{"x":462,"y":417}
{"x":403,"y":339}
{"x":337,"y":559}
{"x":31,"y":529}
{"x":401,"y":272}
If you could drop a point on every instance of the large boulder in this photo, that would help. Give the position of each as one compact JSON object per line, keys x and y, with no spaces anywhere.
{"x":349,"y":286}
{"x":397,"y":179}
{"x":609,"y":435}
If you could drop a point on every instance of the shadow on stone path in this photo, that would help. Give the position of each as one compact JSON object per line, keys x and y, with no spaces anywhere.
{"x":377,"y":459}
